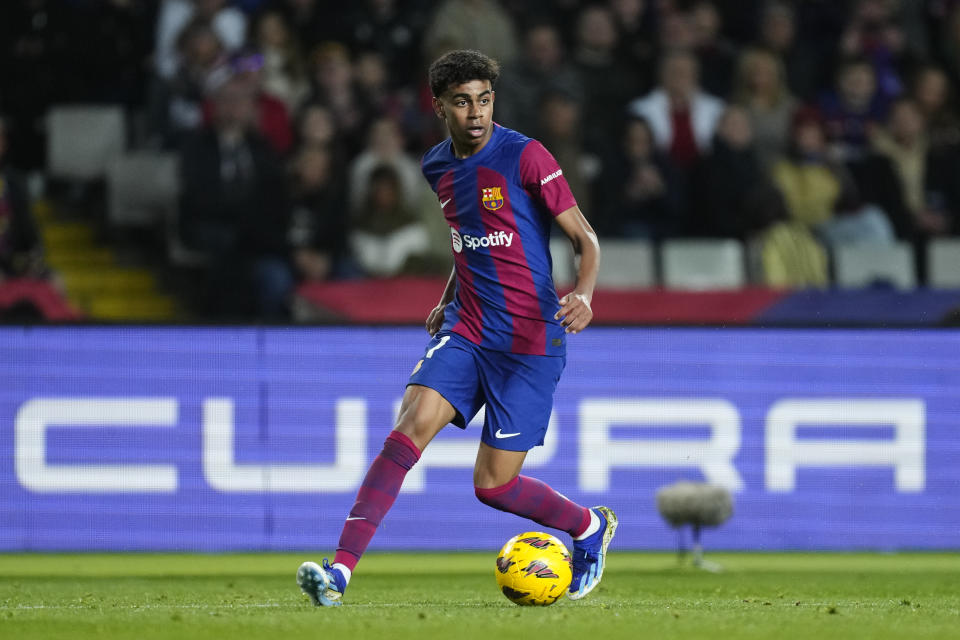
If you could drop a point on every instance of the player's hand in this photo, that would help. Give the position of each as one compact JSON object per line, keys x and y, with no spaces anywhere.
{"x":435,"y":319}
{"x":575,"y":312}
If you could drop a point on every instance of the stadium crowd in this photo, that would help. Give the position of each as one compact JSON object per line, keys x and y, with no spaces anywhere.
{"x":300,"y":123}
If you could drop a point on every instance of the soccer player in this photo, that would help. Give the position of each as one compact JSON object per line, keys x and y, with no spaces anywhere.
{"x":499,"y":330}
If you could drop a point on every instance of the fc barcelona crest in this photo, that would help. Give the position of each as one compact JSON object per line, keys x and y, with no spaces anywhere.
{"x":492,"y":198}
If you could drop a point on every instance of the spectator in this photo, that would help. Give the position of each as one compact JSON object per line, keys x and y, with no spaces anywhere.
{"x":541,"y":70}
{"x":817,"y":187}
{"x":318,"y":220}
{"x":228,"y":23}
{"x":233,"y":208}
{"x":873,"y":33}
{"x":175,"y":106}
{"x":941,"y":214}
{"x":761,"y":88}
{"x":385,"y":234}
{"x":607,"y":82}
{"x":725,"y":179}
{"x":472,"y":24}
{"x":640,"y":194}
{"x":391,"y":29}
{"x":561,"y":133}
{"x":21,"y":253}
{"x":853,"y":109}
{"x":904,"y":143}
{"x":381,"y":96}
{"x":682,"y":116}
{"x":802,"y":62}
{"x":675,"y":30}
{"x":716,"y":54}
{"x":309,"y":24}
{"x":284,"y":71}
{"x":950,"y":41}
{"x":856,"y":221}
{"x":935,"y":98}
{"x":37,"y":63}
{"x":333,"y":86}
{"x":806,"y":175}
{"x":790,"y":256}
{"x":316,"y":128}
{"x":385,"y":148}
{"x":636,"y":36}
{"x":273,"y":119}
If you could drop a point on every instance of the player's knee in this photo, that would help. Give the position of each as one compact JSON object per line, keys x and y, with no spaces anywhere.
{"x":423,"y":414}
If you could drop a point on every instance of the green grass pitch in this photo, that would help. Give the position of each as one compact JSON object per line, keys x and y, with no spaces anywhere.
{"x":643,"y":595}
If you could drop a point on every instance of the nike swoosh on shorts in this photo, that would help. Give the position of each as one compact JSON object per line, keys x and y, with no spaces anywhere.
{"x":505,"y":435}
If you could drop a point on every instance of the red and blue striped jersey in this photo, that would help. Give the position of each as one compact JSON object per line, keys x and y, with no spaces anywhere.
{"x":500,"y":203}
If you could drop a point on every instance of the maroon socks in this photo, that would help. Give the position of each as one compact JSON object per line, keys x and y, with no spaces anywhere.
{"x":523,"y":496}
{"x":530,"y":498}
{"x":377,"y":494}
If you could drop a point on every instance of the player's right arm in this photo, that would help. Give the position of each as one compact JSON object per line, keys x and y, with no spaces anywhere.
{"x":435,"y":319}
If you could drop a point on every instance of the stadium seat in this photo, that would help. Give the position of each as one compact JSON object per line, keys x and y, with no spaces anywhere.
{"x":943,"y":263}
{"x":83,"y":139}
{"x":142,"y":188}
{"x":864,"y":265}
{"x":627,"y":264}
{"x":700,"y":265}
{"x":564,"y":271}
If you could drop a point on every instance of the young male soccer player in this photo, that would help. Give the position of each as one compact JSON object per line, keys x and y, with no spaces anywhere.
{"x":498,"y":331}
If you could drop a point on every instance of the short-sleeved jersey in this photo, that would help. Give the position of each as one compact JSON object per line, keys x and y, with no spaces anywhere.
{"x":500,"y":203}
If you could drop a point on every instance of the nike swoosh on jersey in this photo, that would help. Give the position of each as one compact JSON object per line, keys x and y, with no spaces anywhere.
{"x":445,"y":203}
{"x":355,"y":518}
{"x":501,"y":435}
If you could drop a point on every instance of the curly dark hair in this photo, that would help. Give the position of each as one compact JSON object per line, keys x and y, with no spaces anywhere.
{"x":458,"y":67}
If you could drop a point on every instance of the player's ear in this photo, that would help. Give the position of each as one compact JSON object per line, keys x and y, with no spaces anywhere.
{"x":438,"y":108}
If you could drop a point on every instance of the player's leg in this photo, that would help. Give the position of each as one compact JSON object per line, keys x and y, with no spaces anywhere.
{"x":441,"y":389}
{"x":423,"y":413}
{"x":498,"y":484}
{"x":519,"y":402}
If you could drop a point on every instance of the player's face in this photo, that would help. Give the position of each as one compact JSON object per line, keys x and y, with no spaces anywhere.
{"x":467,"y":110}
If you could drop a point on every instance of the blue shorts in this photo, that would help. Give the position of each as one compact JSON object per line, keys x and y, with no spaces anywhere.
{"x":517,"y":388}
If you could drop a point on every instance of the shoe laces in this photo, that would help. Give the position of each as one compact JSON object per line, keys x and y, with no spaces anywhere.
{"x":335,"y":574}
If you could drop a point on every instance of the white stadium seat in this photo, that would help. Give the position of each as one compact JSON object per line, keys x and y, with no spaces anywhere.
{"x":703,"y":264}
{"x":83,"y":139}
{"x":627,"y":264}
{"x":564,"y":271}
{"x":943,"y":263}
{"x":863,"y":265}
{"x":142,"y":187}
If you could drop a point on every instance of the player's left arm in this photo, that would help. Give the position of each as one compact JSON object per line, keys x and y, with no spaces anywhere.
{"x":575,"y":312}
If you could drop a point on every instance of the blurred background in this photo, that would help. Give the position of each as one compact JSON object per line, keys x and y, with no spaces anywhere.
{"x":750,"y":161}
{"x":243,"y":177}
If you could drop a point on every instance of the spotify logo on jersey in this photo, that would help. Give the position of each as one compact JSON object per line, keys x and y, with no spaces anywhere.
{"x":493,"y":239}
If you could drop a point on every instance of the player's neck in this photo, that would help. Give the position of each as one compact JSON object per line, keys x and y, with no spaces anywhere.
{"x":465,"y":149}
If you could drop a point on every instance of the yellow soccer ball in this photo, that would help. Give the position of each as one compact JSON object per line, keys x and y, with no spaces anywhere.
{"x":534,"y":568}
